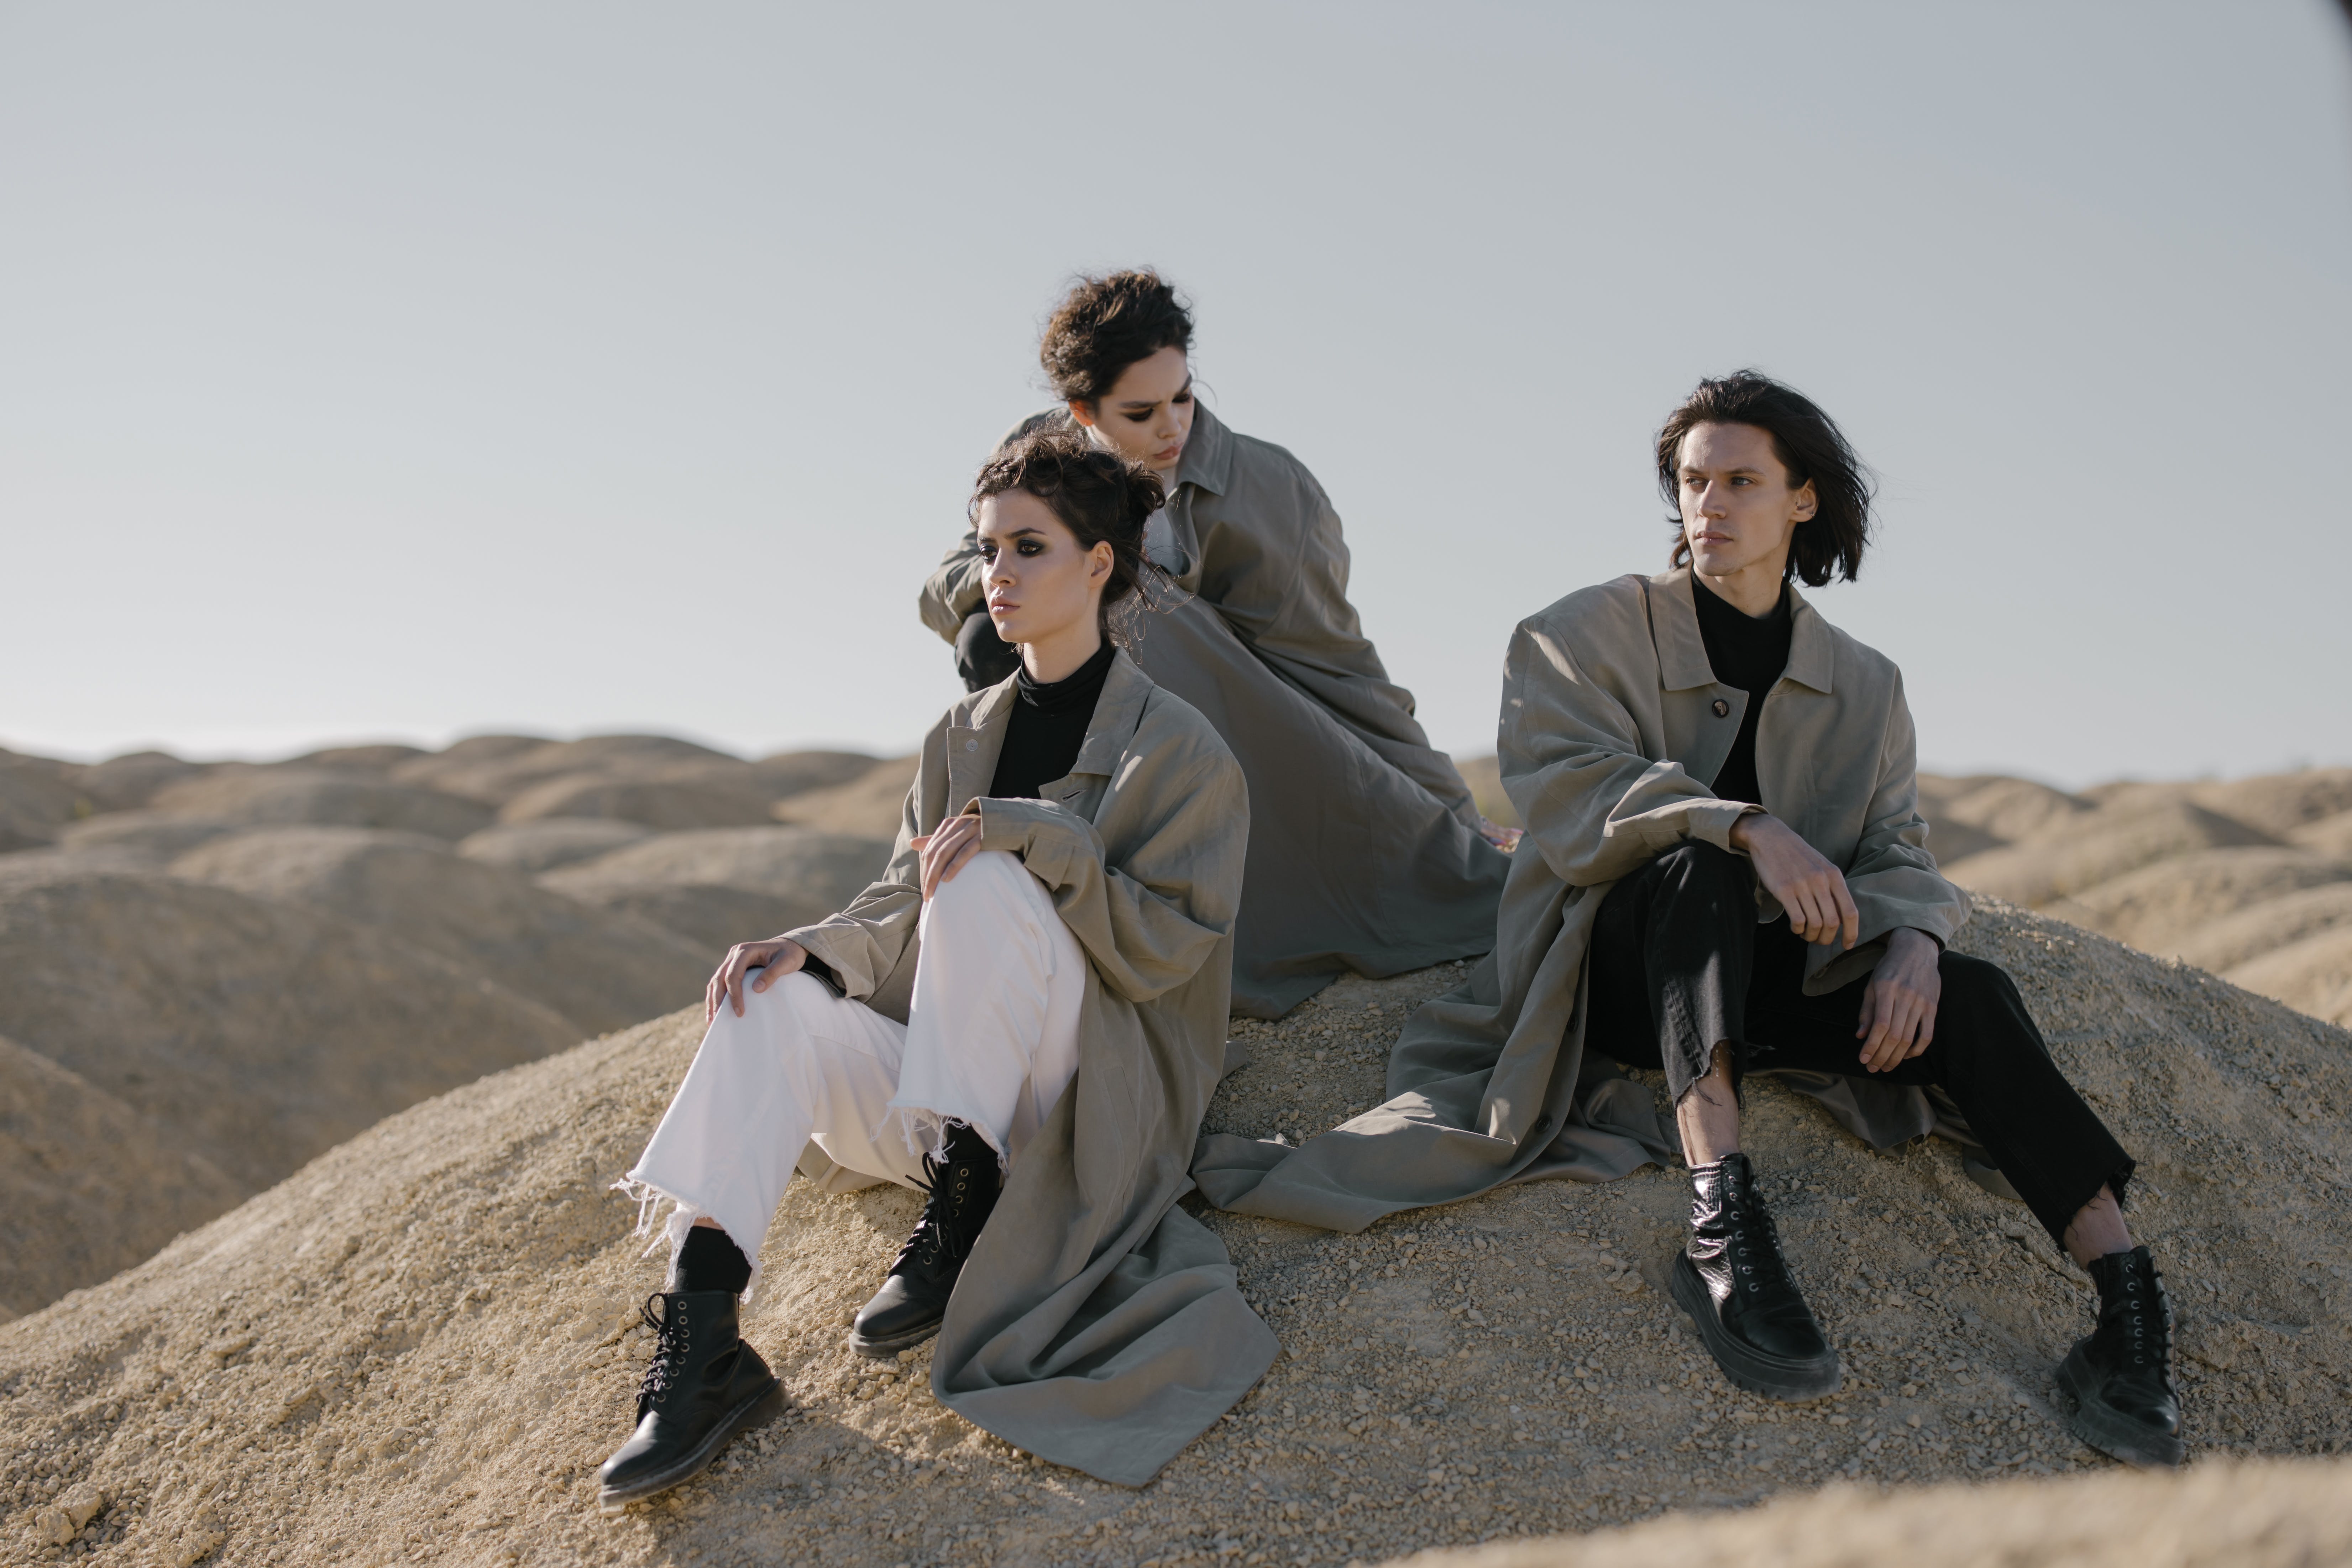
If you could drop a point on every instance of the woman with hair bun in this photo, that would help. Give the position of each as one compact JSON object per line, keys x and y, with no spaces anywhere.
{"x":1368,"y":853}
{"x":1024,"y":1017}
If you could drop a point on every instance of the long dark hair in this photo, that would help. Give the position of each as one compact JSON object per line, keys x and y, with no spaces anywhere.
{"x":1099,"y":496}
{"x":1105,"y":324}
{"x":1809,"y":445}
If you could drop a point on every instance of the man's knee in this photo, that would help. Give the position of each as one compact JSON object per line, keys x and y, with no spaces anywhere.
{"x":1696,"y":865}
{"x":1980,"y":1008}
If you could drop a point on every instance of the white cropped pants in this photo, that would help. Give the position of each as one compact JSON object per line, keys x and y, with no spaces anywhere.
{"x":991,"y":1039}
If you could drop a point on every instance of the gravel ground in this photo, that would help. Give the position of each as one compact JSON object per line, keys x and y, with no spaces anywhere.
{"x":416,"y":1349}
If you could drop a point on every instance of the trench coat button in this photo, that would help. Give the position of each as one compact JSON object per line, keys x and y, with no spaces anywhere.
{"x":975,"y":745}
{"x":1722,"y":710}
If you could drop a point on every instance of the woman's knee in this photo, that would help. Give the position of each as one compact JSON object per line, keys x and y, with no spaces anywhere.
{"x":783,"y":1017}
{"x":992,"y":884}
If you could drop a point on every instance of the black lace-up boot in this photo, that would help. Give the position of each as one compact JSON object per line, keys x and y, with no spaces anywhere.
{"x":2126,"y":1403}
{"x":1733,"y":1281}
{"x":705,"y":1385}
{"x":962,"y":1184}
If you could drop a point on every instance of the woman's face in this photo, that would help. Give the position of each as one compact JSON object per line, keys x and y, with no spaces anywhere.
{"x":1041,"y":586}
{"x":1146,"y":416}
{"x":1737,"y":508}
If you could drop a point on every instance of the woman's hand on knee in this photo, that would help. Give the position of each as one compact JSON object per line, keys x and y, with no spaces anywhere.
{"x":773,"y":959}
{"x":947,"y":850}
{"x":1898,"y":1005}
{"x":1810,"y":889}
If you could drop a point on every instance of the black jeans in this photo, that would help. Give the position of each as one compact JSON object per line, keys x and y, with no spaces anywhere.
{"x":1679,"y":963}
{"x":982,"y":658}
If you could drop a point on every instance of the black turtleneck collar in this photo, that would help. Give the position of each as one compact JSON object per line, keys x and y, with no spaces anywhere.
{"x":1048,"y":725}
{"x":1082,"y":685}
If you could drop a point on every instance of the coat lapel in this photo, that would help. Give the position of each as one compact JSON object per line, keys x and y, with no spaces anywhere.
{"x":975,"y":742}
{"x":1117,"y":713}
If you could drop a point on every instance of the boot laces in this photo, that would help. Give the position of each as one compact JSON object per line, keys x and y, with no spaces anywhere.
{"x":939,"y":1236}
{"x":669,"y":1348}
{"x":2140,"y":1316}
{"x":1757,"y":1261}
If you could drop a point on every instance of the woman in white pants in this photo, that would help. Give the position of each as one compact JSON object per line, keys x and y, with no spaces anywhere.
{"x":1031,"y":1002}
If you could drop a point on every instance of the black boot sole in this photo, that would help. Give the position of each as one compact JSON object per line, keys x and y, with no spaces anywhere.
{"x":756,"y":1411}
{"x":2109,"y":1430}
{"x":889,"y":1346}
{"x":1774,"y":1377}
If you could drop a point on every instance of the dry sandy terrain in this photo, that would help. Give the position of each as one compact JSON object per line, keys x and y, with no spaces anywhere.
{"x":211,"y":973}
{"x":418,"y":1348}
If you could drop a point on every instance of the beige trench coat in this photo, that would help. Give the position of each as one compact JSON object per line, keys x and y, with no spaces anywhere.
{"x":1364,"y":852}
{"x":1096,"y":1325}
{"x":1609,"y":737}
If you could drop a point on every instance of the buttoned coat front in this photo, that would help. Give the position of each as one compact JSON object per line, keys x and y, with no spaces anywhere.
{"x":1096,"y":1324}
{"x":1365,"y":853}
{"x":1613,"y":728}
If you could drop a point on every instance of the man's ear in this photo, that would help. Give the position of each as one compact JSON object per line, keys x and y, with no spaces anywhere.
{"x":1083,"y":412}
{"x":1807,"y":502}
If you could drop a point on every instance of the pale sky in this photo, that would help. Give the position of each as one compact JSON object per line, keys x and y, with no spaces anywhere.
{"x":402,"y":371}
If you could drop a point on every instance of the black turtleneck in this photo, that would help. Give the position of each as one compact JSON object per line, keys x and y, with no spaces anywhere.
{"x":1049,"y":724}
{"x":1749,"y":652}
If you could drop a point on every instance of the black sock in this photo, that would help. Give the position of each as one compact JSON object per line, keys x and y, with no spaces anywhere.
{"x":710,"y":1261}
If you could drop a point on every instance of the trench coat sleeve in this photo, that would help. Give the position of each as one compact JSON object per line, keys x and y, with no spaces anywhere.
{"x":955,"y":588}
{"x":1892,"y":876}
{"x":864,"y":942}
{"x":1596,"y":808}
{"x":1150,"y":923}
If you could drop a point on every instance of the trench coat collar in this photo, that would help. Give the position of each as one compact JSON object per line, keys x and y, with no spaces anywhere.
{"x":1682,"y":651}
{"x":1208,"y":459}
{"x":974,"y":746}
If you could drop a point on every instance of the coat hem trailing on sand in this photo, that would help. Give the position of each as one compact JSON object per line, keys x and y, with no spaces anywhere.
{"x":1096,"y":1325}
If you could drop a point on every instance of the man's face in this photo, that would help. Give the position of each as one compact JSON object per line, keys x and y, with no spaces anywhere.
{"x":1737,"y":510}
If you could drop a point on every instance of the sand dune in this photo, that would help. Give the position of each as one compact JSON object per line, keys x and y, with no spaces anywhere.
{"x":729,"y":797}
{"x":2235,"y":939}
{"x":597,"y":969}
{"x":148,"y":840}
{"x":423,"y":1337}
{"x":2312,"y":974}
{"x":2079,"y":851}
{"x":259,"y":1035}
{"x":322,"y":798}
{"x":2329,"y":834}
{"x":867,"y":806}
{"x":728,"y":885}
{"x":498,"y":768}
{"x":553,"y":841}
{"x":2161,"y":908}
{"x":68,"y":1220}
{"x":2278,"y":803}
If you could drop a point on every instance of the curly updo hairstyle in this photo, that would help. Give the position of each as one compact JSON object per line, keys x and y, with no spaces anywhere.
{"x":1105,"y":324}
{"x":1809,"y":445}
{"x":1099,"y":496}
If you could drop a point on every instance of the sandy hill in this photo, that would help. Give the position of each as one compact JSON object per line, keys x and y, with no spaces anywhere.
{"x":255,"y":961}
{"x":419,"y":1346}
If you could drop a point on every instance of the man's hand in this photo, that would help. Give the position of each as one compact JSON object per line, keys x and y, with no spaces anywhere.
{"x":1898,"y":1005}
{"x":1811,"y":888}
{"x":773,"y":959}
{"x":947,"y":851}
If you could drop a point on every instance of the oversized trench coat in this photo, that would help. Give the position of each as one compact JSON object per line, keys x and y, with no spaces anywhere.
{"x":1613,"y":727}
{"x":1096,"y":1324}
{"x":1364,"y":851}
